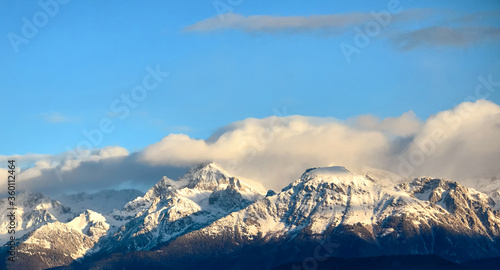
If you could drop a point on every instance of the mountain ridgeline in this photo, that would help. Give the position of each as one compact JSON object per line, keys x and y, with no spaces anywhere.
{"x":209,"y":219}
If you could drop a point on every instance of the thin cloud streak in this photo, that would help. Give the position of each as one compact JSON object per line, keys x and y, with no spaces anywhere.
{"x":334,"y":23}
{"x":272,"y":24}
{"x":445,"y":37}
{"x":454,"y":31}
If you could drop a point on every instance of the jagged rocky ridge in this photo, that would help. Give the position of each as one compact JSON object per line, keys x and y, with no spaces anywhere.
{"x":57,"y":243}
{"x":362,"y":218}
{"x":169,"y":209}
{"x":212,"y":219}
{"x":33,"y":210}
{"x":172,"y":208}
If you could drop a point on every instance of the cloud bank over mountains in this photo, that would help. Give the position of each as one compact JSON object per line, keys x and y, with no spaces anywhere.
{"x":461,"y":144}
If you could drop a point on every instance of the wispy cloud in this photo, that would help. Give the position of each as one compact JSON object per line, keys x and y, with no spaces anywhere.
{"x":334,"y":23}
{"x":272,"y":24}
{"x":450,"y":29}
{"x":56,"y":117}
{"x":472,"y":18}
{"x":445,"y":37}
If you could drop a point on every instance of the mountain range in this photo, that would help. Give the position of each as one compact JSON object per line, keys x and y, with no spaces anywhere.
{"x":209,"y":219}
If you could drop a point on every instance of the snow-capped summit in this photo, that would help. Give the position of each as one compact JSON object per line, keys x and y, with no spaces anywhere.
{"x":90,"y":223}
{"x":211,"y":176}
{"x":335,"y":174}
{"x":59,"y":242}
{"x":320,"y":199}
{"x":202,"y":179}
{"x":33,"y":210}
{"x":333,"y":171}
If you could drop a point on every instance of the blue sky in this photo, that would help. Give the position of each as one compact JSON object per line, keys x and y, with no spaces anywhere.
{"x":65,"y":78}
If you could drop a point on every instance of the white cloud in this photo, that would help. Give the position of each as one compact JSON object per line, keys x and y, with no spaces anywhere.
{"x":461,"y":143}
{"x":405,"y":125}
{"x":28,"y":158}
{"x":3,"y":175}
{"x":76,"y":158}
{"x":273,"y":150}
{"x":276,"y":150}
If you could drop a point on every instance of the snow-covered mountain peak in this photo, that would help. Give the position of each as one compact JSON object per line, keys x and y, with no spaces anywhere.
{"x":163,"y":186}
{"x":208,"y":166}
{"x":65,"y":240}
{"x":430,"y":189}
{"x":88,"y":216}
{"x":212,"y":177}
{"x":337,"y":175}
{"x":206,"y":177}
{"x":450,"y":196}
{"x":32,"y":211}
{"x":334,"y":171}
{"x":90,"y":223}
{"x":199,"y":182}
{"x":173,"y":207}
